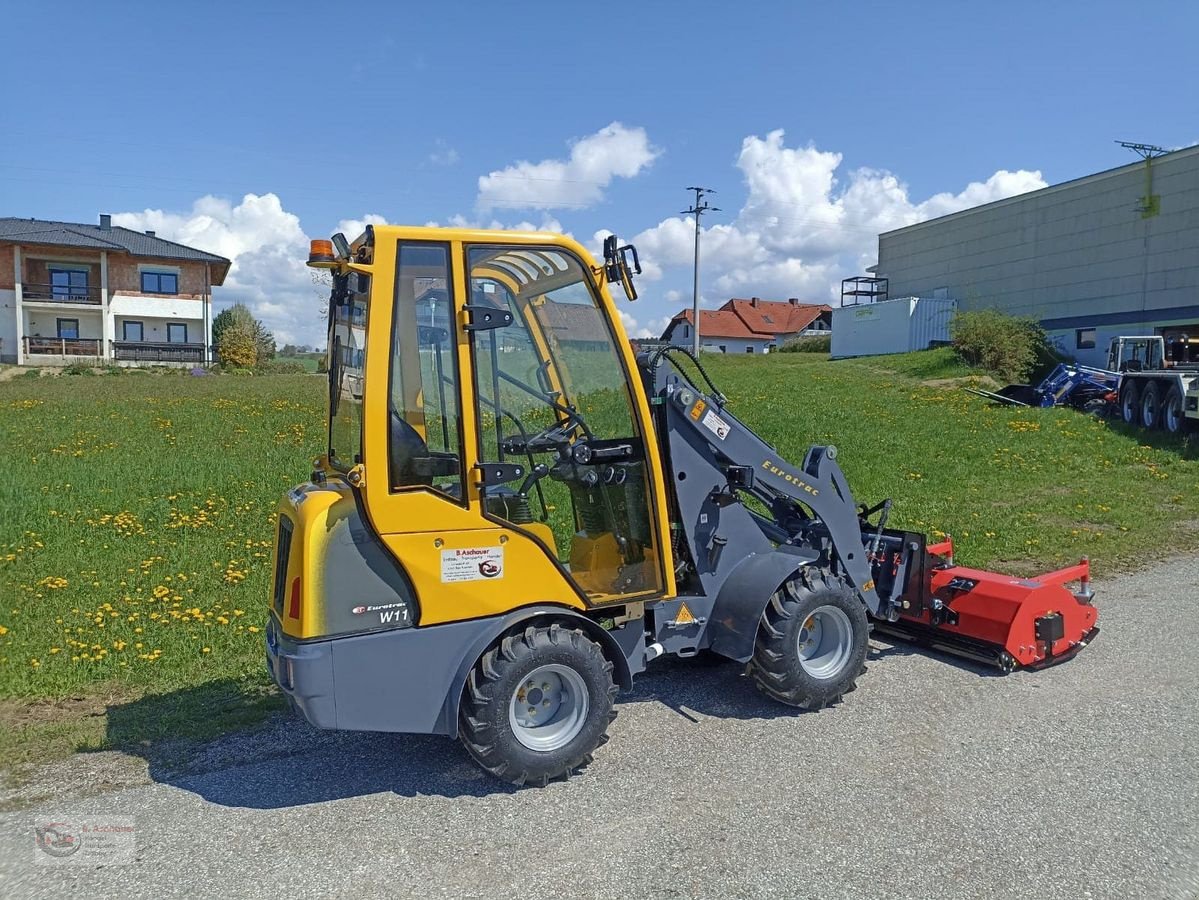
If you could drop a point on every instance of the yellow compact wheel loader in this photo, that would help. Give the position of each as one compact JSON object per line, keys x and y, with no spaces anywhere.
{"x":515,"y":516}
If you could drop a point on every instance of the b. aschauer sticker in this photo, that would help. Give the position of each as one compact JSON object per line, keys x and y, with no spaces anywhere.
{"x":472,"y":564}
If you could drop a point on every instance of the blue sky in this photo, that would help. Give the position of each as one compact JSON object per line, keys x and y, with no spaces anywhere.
{"x":247,"y":127}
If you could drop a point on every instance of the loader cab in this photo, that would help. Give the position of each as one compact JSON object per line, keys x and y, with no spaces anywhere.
{"x":483,"y":397}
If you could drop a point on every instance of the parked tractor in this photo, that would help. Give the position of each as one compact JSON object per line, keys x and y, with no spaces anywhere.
{"x":515,"y":516}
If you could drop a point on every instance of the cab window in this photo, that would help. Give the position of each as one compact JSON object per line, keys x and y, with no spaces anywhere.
{"x":424,"y":438}
{"x":552,"y":393}
{"x":347,"y":360}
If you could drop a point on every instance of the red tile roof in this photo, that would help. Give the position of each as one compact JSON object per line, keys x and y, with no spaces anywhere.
{"x":775,"y":317}
{"x":754,"y":318}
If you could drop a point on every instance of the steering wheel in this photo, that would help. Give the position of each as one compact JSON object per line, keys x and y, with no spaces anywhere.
{"x":548,"y":440}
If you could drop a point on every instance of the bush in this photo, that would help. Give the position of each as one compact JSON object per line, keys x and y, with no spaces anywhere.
{"x":1008,"y":346}
{"x":237,"y":346}
{"x":282,"y":367}
{"x":812,"y":343}
{"x":79,"y":368}
{"x":238,"y":320}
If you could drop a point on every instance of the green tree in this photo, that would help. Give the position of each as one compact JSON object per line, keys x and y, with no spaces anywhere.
{"x":238,"y":317}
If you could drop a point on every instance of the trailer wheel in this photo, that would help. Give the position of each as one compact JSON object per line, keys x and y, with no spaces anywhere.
{"x":537,"y":704}
{"x":1129,"y":403}
{"x":812,"y":641}
{"x":1151,"y":402}
{"x":1173,"y":417}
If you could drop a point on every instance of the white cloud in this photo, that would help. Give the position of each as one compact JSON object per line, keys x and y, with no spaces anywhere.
{"x":268,"y":249}
{"x":352,"y":228}
{"x":801,"y":229}
{"x":548,"y":223}
{"x":614,"y":151}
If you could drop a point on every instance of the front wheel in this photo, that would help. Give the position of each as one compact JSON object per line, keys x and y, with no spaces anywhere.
{"x":537,"y":705}
{"x":812,"y":641}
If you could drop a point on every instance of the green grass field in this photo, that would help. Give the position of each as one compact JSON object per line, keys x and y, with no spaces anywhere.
{"x":136,"y":518}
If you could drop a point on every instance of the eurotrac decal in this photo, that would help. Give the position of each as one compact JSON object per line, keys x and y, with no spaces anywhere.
{"x":472,"y":564}
{"x":774,"y":469}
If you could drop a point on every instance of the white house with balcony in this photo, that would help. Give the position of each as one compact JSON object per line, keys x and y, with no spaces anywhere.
{"x":102,"y":293}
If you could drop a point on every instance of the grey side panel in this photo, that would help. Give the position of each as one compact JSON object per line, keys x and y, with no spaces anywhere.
{"x":739,"y":605}
{"x":370,"y":590}
{"x":398,"y":680}
{"x":411,"y":679}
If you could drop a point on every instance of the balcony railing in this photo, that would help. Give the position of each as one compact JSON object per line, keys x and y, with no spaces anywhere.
{"x":60,"y":293}
{"x":45,"y":346}
{"x":155,"y":351}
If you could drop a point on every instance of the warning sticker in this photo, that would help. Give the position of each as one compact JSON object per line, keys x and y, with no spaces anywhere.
{"x":472,"y":564}
{"x":716,"y":425}
{"x":698,"y":410}
{"x":684,"y":617}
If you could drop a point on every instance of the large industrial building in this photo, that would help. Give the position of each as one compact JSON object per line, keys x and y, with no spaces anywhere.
{"x":1109,"y":254}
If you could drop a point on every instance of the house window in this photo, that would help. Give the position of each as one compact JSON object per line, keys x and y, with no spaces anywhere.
{"x":722,"y":349}
{"x":68,"y":284}
{"x":132,"y":331}
{"x":1084,"y":339}
{"x":160,"y":283}
{"x":177,"y":332}
{"x":749,"y":349}
{"x":68,"y":328}
{"x":686,"y":331}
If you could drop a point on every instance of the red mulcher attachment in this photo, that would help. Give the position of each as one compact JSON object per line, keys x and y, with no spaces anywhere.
{"x":996,"y":619}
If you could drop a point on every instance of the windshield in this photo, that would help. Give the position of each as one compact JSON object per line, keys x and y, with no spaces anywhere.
{"x":552,"y":391}
{"x":347,"y":360}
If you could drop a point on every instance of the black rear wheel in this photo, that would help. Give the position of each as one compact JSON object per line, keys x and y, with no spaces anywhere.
{"x":812,"y":641}
{"x":537,"y":704}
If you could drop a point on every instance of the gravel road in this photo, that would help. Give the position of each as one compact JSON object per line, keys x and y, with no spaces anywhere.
{"x":933,"y":780}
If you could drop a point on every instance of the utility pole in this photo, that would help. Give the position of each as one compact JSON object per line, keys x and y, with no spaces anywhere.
{"x":697,"y":209}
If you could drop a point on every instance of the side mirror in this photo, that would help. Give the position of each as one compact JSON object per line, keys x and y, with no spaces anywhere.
{"x":617,"y":267}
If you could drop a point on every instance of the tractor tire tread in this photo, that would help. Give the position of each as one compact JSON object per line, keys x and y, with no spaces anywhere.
{"x":490,"y":746}
{"x":775,"y":667}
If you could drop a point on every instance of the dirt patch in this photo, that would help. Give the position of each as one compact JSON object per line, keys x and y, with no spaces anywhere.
{"x":16,"y":713}
{"x":986,"y":382}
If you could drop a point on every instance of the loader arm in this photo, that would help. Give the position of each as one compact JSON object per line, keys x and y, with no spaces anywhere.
{"x":810,"y":505}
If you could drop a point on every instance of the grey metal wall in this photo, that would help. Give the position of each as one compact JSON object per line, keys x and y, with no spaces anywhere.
{"x":1078,"y":255}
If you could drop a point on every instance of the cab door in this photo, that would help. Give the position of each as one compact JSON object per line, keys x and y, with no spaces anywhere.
{"x":420,"y":478}
{"x":552,"y":394}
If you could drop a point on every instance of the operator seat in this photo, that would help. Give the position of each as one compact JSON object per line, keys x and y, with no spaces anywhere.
{"x":412,"y":462}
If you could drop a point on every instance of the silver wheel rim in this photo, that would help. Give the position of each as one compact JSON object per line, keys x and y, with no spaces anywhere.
{"x":825,"y":642}
{"x":1172,"y":414}
{"x":1129,"y":408}
{"x":549,"y":707}
{"x":1149,"y":409}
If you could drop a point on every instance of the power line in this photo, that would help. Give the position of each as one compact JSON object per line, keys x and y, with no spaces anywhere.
{"x":698,"y":208}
